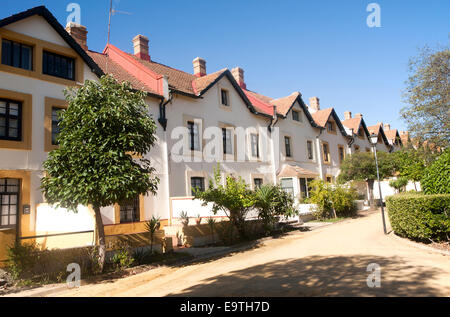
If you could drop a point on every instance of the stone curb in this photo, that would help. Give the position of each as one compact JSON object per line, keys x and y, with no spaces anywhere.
{"x":416,"y":244}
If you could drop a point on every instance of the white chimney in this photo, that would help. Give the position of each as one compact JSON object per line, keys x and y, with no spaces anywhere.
{"x":314,"y":104}
{"x":199,"y":67}
{"x":347,"y":115}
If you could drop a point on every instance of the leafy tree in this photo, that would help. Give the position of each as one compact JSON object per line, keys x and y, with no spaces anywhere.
{"x":409,"y":164}
{"x":399,"y":183}
{"x":361,"y":166}
{"x":272,"y":201}
{"x":428,"y":96}
{"x":436,"y":179}
{"x":234,"y":198}
{"x":104,"y":123}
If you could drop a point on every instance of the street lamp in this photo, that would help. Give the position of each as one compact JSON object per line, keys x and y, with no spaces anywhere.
{"x":374,"y":140}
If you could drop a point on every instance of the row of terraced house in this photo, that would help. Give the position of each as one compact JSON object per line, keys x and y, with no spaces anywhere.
{"x":264,"y":140}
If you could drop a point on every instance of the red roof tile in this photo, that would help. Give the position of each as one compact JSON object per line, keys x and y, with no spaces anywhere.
{"x":321,"y":117}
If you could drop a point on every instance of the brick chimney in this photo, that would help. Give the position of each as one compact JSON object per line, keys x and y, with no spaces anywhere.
{"x":314,"y":104}
{"x":238,"y":74}
{"x":79,"y":33}
{"x":358,"y":115}
{"x":199,"y":67}
{"x":140,"y":44}
{"x":387,"y":127}
{"x":347,"y":115}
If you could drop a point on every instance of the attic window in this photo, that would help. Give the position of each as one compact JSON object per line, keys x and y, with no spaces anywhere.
{"x":296,"y":116}
{"x":17,"y":55}
{"x":330,"y":126}
{"x":58,"y":65}
{"x":224,"y":97}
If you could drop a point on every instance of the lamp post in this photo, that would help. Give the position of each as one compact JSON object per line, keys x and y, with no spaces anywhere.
{"x":374,"y":140}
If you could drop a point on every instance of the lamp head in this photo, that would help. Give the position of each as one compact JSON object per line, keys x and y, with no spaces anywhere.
{"x":373,"y":138}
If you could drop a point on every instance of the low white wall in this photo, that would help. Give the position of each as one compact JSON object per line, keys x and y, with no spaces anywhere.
{"x":60,"y":220}
{"x":387,"y":190}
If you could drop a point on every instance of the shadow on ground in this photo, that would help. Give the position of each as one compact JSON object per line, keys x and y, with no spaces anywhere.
{"x":321,"y":276}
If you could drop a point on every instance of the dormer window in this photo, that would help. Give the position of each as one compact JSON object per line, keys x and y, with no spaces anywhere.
{"x":224,"y":97}
{"x":330,"y":126}
{"x":296,"y":116}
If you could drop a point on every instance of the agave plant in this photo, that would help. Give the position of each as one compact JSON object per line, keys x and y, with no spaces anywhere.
{"x":152,"y":226}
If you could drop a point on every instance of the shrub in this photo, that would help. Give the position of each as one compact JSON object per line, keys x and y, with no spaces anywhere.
{"x":272,"y":202}
{"x":123,"y":256}
{"x":151,"y":227}
{"x":399,"y":184}
{"x":184,"y":218}
{"x":330,"y":198}
{"x":436,"y":179}
{"x":420,"y":217}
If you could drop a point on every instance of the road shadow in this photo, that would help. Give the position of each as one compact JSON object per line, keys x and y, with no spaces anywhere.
{"x":320,"y":276}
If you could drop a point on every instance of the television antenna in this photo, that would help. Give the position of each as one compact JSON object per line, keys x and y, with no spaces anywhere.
{"x":111,"y":13}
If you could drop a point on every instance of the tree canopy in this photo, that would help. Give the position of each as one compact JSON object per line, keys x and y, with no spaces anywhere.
{"x":428,"y":97}
{"x":105,"y":124}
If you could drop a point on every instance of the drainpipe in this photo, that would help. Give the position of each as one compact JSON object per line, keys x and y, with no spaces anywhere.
{"x":165,"y":151}
{"x":319,"y":156}
{"x":350,"y":142}
{"x":273,"y":121}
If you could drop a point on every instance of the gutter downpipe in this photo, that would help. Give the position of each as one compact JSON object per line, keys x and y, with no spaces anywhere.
{"x":319,"y":156}
{"x":272,"y":123}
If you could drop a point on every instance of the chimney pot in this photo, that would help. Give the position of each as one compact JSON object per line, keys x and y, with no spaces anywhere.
{"x":238,"y":74}
{"x":358,"y":115}
{"x":140,"y":45}
{"x":314,"y":103}
{"x":79,"y":33}
{"x":199,"y":67}
{"x":347,"y":115}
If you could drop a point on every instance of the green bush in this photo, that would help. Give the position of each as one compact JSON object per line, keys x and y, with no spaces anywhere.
{"x":399,"y":184}
{"x":420,"y":217}
{"x":436,"y":179}
{"x":332,"y":197}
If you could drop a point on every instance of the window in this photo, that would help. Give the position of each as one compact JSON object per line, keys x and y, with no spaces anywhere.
{"x":17,"y":54}
{"x":287,"y":185}
{"x":9,"y":201}
{"x":58,"y":65}
{"x":226,"y":138}
{"x":258,"y":182}
{"x":194,"y":137}
{"x":326,"y":152}
{"x":55,"y":124}
{"x":130,"y":211}
{"x":329,"y":179}
{"x":361,"y":132}
{"x":10,"y":120}
{"x":330,"y":126}
{"x":341,"y":153}
{"x":254,"y":138}
{"x":224,"y":97}
{"x":356,"y":148}
{"x":199,"y":183}
{"x":309,"y":147}
{"x":296,"y":116}
{"x":287,"y":146}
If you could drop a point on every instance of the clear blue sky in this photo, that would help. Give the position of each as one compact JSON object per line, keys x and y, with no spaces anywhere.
{"x":320,"y":48}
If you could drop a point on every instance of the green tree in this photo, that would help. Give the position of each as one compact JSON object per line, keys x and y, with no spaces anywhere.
{"x":428,"y":97}
{"x":409,"y":164}
{"x":436,"y":179}
{"x":399,"y":184}
{"x":103,"y":125}
{"x":361,"y":166}
{"x":272,"y":202}
{"x":234,"y":198}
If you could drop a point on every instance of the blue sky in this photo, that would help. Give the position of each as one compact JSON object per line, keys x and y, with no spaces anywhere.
{"x":320,"y":48}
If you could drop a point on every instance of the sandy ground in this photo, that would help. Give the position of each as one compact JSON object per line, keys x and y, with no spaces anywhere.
{"x":330,"y":261}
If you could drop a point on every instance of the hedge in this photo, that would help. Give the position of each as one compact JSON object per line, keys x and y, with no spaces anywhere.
{"x":420,"y":217}
{"x":436,"y":178}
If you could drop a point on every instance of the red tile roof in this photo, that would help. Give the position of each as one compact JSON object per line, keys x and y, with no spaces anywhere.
{"x":321,"y":117}
{"x":284,"y":104}
{"x":353,"y":124}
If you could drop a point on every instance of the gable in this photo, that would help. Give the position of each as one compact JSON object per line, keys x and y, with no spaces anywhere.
{"x":37,"y":27}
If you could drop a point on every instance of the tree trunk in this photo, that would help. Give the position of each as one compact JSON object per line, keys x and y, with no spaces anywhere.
{"x":101,"y":238}
{"x":370,"y":183}
{"x":415,"y":186}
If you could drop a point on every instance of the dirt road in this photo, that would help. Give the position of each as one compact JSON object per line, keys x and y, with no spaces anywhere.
{"x":330,"y":261}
